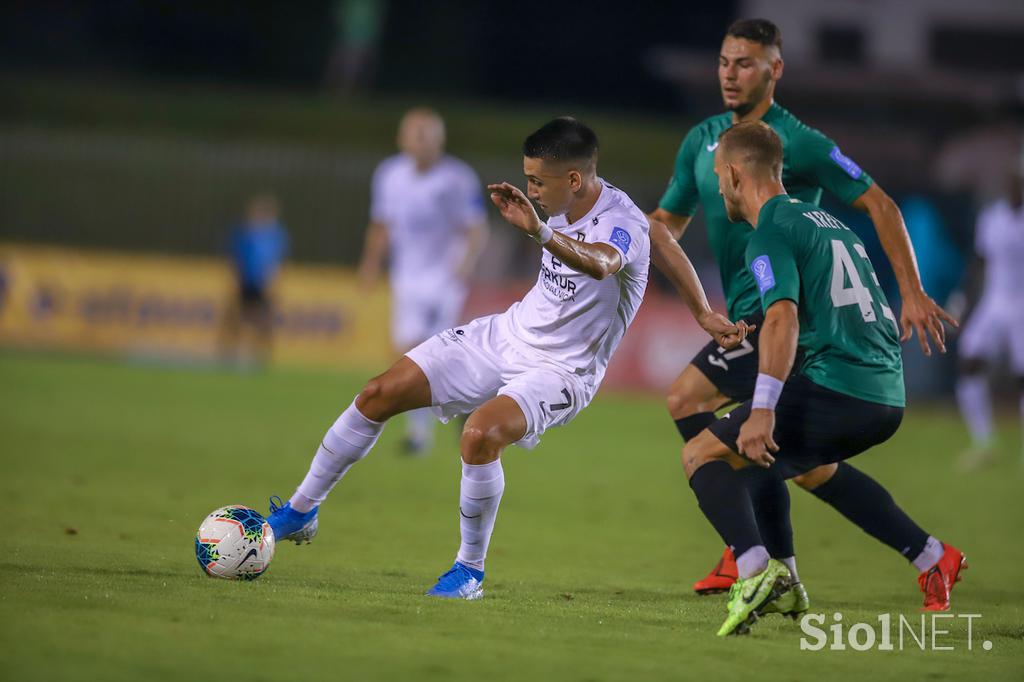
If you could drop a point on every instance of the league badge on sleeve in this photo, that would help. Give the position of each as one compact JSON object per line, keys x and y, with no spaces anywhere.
{"x":762,"y":269}
{"x":621,"y":239}
{"x":846,"y":163}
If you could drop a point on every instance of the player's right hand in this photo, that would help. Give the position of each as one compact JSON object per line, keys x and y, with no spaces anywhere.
{"x":924,"y":316}
{"x":725,"y":333}
{"x":756,"y":441}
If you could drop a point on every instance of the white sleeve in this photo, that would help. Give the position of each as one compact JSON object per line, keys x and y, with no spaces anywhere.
{"x":981,"y":229}
{"x":378,"y":195}
{"x":468,"y":202}
{"x":625,"y":234}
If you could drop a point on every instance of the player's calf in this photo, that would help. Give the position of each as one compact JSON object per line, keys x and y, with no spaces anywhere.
{"x":692,"y":401}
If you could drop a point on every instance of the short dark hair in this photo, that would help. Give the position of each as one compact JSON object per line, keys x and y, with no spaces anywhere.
{"x":756,"y":30}
{"x":757,"y":144}
{"x":563,"y":139}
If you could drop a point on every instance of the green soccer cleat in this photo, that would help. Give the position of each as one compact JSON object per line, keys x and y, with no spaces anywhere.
{"x":792,"y":604}
{"x":748,"y":596}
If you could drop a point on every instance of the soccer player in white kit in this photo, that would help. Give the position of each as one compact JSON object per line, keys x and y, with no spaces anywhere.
{"x":996,"y":326}
{"x":427,"y":219}
{"x":520,"y":372}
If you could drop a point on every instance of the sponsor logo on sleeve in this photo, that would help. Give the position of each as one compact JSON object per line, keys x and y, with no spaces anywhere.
{"x":846,"y":163}
{"x":762,"y":269}
{"x":621,"y":239}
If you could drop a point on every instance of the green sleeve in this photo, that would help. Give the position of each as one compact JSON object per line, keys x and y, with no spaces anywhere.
{"x":821,"y":162}
{"x":680,"y":197}
{"x":772,"y":260}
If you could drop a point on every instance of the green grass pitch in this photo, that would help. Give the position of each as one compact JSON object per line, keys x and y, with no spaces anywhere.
{"x":108,"y":469}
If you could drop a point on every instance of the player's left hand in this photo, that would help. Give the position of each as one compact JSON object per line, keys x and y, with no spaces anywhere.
{"x":923,"y":315}
{"x":756,"y":441}
{"x":725,"y":333}
{"x":515,"y":207}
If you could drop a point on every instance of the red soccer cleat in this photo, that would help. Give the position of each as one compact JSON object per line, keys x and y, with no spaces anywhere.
{"x":721,"y":577}
{"x":938,"y":581}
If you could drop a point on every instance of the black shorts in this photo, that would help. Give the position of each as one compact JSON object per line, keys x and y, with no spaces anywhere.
{"x":733,"y":372}
{"x":815,"y":425}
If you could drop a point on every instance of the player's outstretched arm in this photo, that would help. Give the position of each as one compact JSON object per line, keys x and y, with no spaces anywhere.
{"x":375,"y":248}
{"x":596,"y":260}
{"x":476,"y":239}
{"x":671,"y":260}
{"x":676,"y":224}
{"x":919,"y":312}
{"x":776,"y":354}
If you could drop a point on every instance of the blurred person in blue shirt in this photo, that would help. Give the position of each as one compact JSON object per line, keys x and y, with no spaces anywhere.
{"x":256,"y":247}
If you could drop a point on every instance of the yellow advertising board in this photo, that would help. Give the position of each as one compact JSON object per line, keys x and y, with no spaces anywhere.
{"x":174,"y":307}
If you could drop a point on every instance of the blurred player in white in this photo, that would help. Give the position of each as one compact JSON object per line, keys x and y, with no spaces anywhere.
{"x":427,"y":219}
{"x":517,"y":373}
{"x":996,"y":326}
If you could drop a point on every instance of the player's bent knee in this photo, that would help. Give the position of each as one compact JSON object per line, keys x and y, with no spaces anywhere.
{"x":685,"y":400}
{"x":677,"y":406}
{"x":481,"y":445}
{"x":816,"y":476}
{"x":681,"y":405}
{"x":707,"y":448}
{"x":375,"y":401}
{"x":696,"y":453}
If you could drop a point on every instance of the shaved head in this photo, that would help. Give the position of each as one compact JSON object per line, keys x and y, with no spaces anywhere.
{"x":754,"y":145}
{"x":748,"y":163}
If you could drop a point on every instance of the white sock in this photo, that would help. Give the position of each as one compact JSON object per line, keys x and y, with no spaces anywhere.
{"x":752,"y":562}
{"x":479,"y":496}
{"x":344,"y":444}
{"x":790,"y":563}
{"x":976,"y":407}
{"x":420,"y":426}
{"x":929,"y":556}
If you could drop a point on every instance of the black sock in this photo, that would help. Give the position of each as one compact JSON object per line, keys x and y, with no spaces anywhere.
{"x":726,"y":503}
{"x":770,"y":497}
{"x":690,"y":426}
{"x":862,"y":500}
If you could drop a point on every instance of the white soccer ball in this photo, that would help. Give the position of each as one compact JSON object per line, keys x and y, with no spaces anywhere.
{"x":235,"y":543}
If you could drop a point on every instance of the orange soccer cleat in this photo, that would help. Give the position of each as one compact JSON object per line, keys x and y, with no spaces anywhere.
{"x":938,"y":581}
{"x":721,"y":577}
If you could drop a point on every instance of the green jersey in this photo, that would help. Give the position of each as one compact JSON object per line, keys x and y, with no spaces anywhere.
{"x":849,"y":338}
{"x":810,"y":162}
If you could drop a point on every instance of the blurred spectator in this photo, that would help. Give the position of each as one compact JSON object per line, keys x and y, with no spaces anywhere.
{"x":257,"y":247}
{"x":427,"y":217}
{"x":353,"y":56}
{"x":995,"y":327}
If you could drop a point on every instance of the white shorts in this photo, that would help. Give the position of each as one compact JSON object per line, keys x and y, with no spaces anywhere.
{"x":415,"y":318}
{"x":469,"y":365}
{"x":991,"y":331}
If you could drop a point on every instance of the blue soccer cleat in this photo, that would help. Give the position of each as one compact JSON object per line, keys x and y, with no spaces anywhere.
{"x":289,"y":524}
{"x":461,"y":582}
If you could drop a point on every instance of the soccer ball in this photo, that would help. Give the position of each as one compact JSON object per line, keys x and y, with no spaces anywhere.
{"x":235,"y":543}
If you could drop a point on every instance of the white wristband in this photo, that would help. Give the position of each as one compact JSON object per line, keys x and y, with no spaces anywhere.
{"x":766,"y":392}
{"x":544,"y":234}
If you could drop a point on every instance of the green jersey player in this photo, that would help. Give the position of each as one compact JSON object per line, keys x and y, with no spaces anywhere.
{"x":845,"y":395}
{"x":750,"y":63}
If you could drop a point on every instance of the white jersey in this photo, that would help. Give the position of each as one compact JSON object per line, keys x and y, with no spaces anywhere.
{"x":426,"y":215}
{"x":1000,"y":241}
{"x":571,"y":319}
